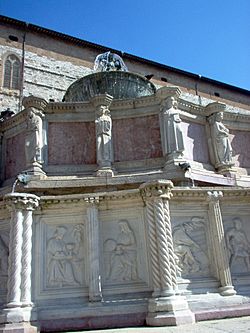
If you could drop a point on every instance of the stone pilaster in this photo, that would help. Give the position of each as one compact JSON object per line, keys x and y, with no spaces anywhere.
{"x":165,"y":306}
{"x":219,"y":244}
{"x":95,"y":288}
{"x":21,"y":206}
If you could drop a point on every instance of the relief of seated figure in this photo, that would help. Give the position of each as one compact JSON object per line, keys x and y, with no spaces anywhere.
{"x":121,"y":255}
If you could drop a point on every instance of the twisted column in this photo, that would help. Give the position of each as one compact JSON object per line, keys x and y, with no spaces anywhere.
{"x":20,"y":248}
{"x":165,"y":307}
{"x":153,"y":248}
{"x":95,"y":288}
{"x":156,"y":195}
{"x":172,"y":255}
{"x":30,"y":205}
{"x":15,"y":255}
{"x":219,"y":244}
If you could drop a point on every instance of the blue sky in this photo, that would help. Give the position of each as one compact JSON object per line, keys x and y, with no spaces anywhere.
{"x":206,"y":37}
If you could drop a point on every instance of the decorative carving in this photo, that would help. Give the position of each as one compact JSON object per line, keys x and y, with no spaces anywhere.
{"x":172,"y":137}
{"x":65,"y":259}
{"x":109,"y":62}
{"x":186,"y":249}
{"x":121,"y":255}
{"x":222,"y":150}
{"x":34,"y":140}
{"x":238,"y":244}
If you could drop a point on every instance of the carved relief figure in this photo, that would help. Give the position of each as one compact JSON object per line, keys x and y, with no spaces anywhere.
{"x":103,"y":137}
{"x":64,"y":259}
{"x":173,"y":137}
{"x":186,"y":248}
{"x":33,"y":140}
{"x":220,"y":140}
{"x":238,"y":244}
{"x":121,"y":254}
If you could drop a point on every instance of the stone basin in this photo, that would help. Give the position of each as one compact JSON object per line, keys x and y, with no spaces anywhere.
{"x":119,"y":84}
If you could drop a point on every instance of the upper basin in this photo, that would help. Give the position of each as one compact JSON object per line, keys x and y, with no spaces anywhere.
{"x":119,"y":84}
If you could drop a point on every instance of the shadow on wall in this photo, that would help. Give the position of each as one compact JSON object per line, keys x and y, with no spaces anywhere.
{"x":241,"y":149}
{"x":197,"y":133}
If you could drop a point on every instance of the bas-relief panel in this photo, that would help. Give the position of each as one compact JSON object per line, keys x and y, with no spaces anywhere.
{"x":136,"y":138}
{"x":124,"y":259}
{"x":195,"y":142}
{"x":71,"y":143}
{"x":241,"y":148}
{"x":237,"y":234}
{"x":191,"y":246}
{"x":63,"y":241}
{"x":15,"y":155}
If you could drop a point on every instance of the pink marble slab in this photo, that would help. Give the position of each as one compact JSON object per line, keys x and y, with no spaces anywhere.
{"x":71,"y":143}
{"x":15,"y":155}
{"x":137,"y":138}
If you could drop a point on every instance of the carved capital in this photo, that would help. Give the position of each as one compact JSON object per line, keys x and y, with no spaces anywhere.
{"x":23,"y":201}
{"x":158,"y":188}
{"x":34,"y":102}
{"x":166,"y":92}
{"x":214,"y":107}
{"x":93,"y":201}
{"x":104,"y":100}
{"x":214,"y":196}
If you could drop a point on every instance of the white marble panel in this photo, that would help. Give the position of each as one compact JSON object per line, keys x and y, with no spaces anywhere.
{"x":124,"y":250}
{"x":191,"y":241}
{"x":237,"y":234}
{"x":61,"y":270}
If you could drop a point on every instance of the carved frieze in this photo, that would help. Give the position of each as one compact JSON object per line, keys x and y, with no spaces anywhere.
{"x":65,"y":264}
{"x":190,"y":247}
{"x":238,"y":245}
{"x":120,"y":255}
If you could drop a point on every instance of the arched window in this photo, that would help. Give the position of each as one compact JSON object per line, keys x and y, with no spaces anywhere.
{"x":12,"y":70}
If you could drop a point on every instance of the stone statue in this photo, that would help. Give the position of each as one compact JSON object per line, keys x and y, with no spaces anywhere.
{"x":109,"y":62}
{"x":103,"y":137}
{"x":238,"y":244}
{"x":33,"y":140}
{"x":122,"y":263}
{"x":172,"y":134}
{"x":220,"y":141}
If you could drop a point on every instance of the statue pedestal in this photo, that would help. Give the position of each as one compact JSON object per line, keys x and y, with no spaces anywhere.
{"x":169,"y":311}
{"x":104,"y":172}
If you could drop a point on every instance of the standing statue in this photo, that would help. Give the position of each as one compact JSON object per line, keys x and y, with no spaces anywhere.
{"x":33,"y":140}
{"x":220,"y":141}
{"x":103,"y":137}
{"x":172,"y":134}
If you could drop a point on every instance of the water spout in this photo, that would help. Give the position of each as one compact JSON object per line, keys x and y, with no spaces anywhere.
{"x":22,"y":178}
